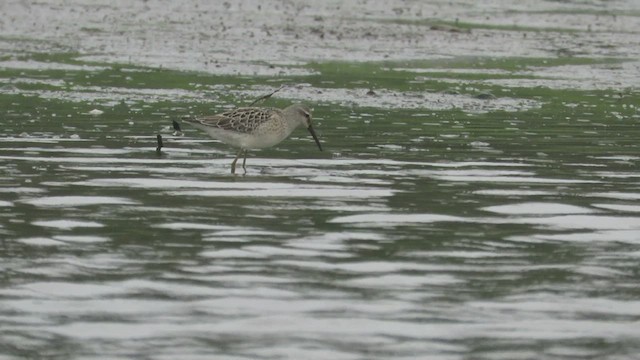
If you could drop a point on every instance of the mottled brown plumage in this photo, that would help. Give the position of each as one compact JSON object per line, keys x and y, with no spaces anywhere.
{"x":243,"y":120}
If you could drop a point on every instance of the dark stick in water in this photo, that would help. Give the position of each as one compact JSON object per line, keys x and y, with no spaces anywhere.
{"x":160,"y":144}
{"x":176,"y":126}
{"x":265,"y":97}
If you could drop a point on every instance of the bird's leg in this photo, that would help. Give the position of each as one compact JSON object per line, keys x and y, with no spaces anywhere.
{"x":244,"y":162}
{"x":233,"y":164}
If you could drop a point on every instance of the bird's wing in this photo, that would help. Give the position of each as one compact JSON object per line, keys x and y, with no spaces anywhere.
{"x":243,"y":120}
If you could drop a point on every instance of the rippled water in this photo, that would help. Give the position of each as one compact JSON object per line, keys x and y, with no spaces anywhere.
{"x":478,"y":196}
{"x":412,"y":236}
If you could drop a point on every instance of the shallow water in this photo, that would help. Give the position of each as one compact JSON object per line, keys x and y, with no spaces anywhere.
{"x":438,"y":247}
{"x":482,"y":208}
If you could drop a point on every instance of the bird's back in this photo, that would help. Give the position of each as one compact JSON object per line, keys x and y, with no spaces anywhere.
{"x":241,"y":120}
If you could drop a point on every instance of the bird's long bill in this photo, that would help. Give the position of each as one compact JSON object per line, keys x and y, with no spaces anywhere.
{"x":313,"y":133}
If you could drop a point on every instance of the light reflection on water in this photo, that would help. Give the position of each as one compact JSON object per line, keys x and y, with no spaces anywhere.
{"x":480,"y":202}
{"x":309,"y":258}
{"x":461,"y":243}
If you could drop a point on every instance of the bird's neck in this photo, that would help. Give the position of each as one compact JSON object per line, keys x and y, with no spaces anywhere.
{"x":291,"y":122}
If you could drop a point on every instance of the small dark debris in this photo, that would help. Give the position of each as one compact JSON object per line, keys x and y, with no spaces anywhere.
{"x":485,"y":96}
{"x":449,"y":28}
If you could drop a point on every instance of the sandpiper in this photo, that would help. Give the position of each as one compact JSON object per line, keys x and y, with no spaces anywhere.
{"x":254,"y":127}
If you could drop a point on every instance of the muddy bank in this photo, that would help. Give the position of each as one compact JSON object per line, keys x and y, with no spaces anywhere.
{"x":275,"y":37}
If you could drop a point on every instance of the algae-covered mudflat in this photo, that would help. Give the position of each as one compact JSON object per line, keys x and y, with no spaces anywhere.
{"x":477,"y":196}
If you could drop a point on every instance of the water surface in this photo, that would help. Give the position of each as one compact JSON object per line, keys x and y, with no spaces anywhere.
{"x":483,"y":208}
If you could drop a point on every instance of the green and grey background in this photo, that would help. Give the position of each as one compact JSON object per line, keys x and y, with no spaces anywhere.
{"x":478,"y":196}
